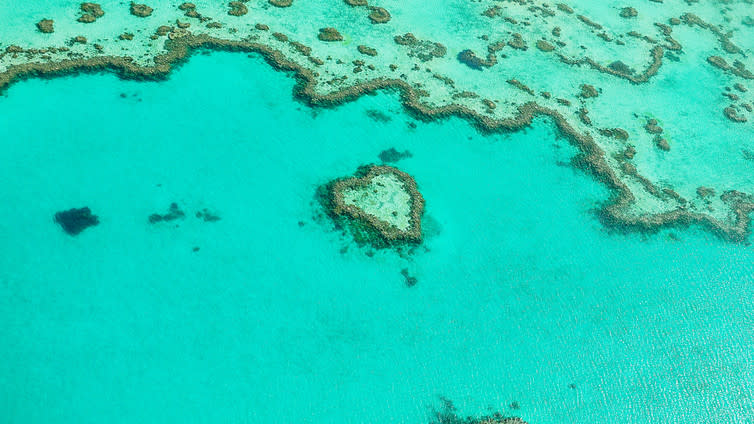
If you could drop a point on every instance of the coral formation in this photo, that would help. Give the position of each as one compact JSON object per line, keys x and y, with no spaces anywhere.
{"x":46,"y":26}
{"x":207,"y":216}
{"x":369,"y":51}
{"x":614,"y":54}
{"x":140,"y":10}
{"x":392,"y":155}
{"x":379,"y":15}
{"x":173,"y":213}
{"x":470,"y":59}
{"x":423,"y":50}
{"x":628,"y":12}
{"x":74,"y":221}
{"x":544,"y":46}
{"x":382,"y":205}
{"x":448,"y":415}
{"x":329,"y":34}
{"x":237,"y":8}
{"x":408,"y":279}
{"x":90,"y":12}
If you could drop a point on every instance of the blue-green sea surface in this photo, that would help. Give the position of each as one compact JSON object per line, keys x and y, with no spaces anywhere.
{"x":522,"y":296}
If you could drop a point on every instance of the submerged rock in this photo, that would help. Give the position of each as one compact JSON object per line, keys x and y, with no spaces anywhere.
{"x":74,"y":221}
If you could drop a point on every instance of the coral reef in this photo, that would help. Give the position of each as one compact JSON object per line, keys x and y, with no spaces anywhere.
{"x":544,"y":46}
{"x":470,"y":59}
{"x":74,"y":221}
{"x":423,"y":50}
{"x":731,"y":114}
{"x":392,"y":155}
{"x":140,"y":10}
{"x":448,"y":415}
{"x":379,"y":15}
{"x":173,"y":213}
{"x":207,"y":216}
{"x":588,"y":91}
{"x":46,"y":26}
{"x":329,"y":34}
{"x":408,"y":279}
{"x":616,"y":55}
{"x":90,"y":12}
{"x":237,"y":8}
{"x":369,"y":51}
{"x":381,"y":204}
{"x":628,"y":12}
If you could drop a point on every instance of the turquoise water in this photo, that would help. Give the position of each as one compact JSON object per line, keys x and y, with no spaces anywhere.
{"x":522,"y":295}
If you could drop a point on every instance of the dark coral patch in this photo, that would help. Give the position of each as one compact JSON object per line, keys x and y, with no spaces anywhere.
{"x":392,"y":155}
{"x":237,"y":8}
{"x":90,"y":12}
{"x":281,"y":3}
{"x":173,"y":213}
{"x":207,"y":216}
{"x":408,"y":279}
{"x":329,"y":34}
{"x":379,"y":15}
{"x":141,"y":10}
{"x":74,"y":221}
{"x":46,"y":26}
{"x":470,"y":59}
{"x":449,"y":415}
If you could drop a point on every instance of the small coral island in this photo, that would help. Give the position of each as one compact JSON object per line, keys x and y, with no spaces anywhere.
{"x":380,"y":204}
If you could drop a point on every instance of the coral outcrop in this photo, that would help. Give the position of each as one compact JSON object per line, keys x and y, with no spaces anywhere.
{"x":381,"y":204}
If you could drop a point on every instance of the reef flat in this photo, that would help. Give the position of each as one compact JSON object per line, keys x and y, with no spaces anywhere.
{"x":657,"y":96}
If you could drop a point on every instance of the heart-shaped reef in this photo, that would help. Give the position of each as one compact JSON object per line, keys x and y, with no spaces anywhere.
{"x":382,"y":205}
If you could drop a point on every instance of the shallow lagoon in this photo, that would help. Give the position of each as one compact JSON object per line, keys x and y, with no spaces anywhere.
{"x":521,"y":296}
